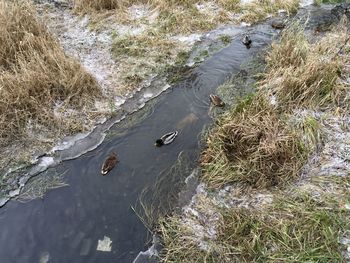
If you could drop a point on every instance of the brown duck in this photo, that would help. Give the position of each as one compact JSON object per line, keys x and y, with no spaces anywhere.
{"x":109,"y":163}
{"x":278,"y":24}
{"x":216,"y":100}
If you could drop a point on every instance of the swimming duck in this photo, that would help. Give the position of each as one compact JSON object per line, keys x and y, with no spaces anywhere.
{"x":166,"y":139}
{"x":216,"y":100}
{"x":109,"y":163}
{"x":278,"y":24}
{"x":247,"y":41}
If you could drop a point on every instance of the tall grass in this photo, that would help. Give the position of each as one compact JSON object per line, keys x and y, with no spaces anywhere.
{"x":302,"y":74}
{"x":35,"y":75}
{"x":259,"y":9}
{"x":252,"y":144}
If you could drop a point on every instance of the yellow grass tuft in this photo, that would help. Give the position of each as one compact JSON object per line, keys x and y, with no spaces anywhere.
{"x":308,"y":75}
{"x":259,"y":10}
{"x":252,"y":144}
{"x":35,"y":74}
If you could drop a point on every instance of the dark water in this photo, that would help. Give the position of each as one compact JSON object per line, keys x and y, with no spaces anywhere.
{"x":69,"y":221}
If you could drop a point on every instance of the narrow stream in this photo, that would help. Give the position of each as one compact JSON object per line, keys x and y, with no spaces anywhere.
{"x":66,"y":225}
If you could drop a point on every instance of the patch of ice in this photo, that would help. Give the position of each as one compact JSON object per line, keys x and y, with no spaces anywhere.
{"x":148,"y":95}
{"x":46,"y":161}
{"x":3,"y":201}
{"x":244,"y":24}
{"x":68,"y":142}
{"x":150,"y":253}
{"x":44,"y":257}
{"x":105,"y":244}
{"x":15,"y":192}
{"x":118,"y":101}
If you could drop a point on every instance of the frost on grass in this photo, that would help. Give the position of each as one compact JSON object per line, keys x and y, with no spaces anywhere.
{"x":308,"y":218}
{"x":91,"y":48}
{"x":202,"y":217}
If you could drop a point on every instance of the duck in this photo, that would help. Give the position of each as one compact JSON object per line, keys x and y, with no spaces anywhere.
{"x":247,"y":41}
{"x":216,"y":100}
{"x":166,"y":138}
{"x":278,"y":24}
{"x":109,"y":163}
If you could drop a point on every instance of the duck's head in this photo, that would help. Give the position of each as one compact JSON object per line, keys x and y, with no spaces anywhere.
{"x":159,"y":142}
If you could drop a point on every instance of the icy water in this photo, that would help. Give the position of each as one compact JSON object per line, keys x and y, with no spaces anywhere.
{"x":66,"y":225}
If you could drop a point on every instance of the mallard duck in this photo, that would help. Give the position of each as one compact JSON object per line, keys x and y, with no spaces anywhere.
{"x":247,"y":41}
{"x":278,"y":24}
{"x":166,"y":139}
{"x":216,"y":100}
{"x":109,"y":163}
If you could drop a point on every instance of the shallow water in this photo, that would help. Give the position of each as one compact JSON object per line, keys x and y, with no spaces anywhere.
{"x":66,"y":225}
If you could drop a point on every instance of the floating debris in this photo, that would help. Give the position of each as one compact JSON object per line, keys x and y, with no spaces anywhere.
{"x":105,"y":244}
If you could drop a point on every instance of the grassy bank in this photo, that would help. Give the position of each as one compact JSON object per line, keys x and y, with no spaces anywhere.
{"x":251,"y":208}
{"x":158,"y":31}
{"x":44,"y":93}
{"x":293,"y":228}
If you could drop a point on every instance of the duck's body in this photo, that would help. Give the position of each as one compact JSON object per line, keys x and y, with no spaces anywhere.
{"x":278,"y":24}
{"x":109,"y":163}
{"x":166,"y":139}
{"x":216,"y":100}
{"x":247,"y":41}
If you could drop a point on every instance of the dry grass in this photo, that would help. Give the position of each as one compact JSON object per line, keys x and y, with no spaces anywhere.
{"x":294,"y":228}
{"x":253,"y":145}
{"x":35,"y":75}
{"x":302,"y":74}
{"x":174,"y":16}
{"x":188,"y":16}
{"x":142,"y":55}
{"x":258,"y":10}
